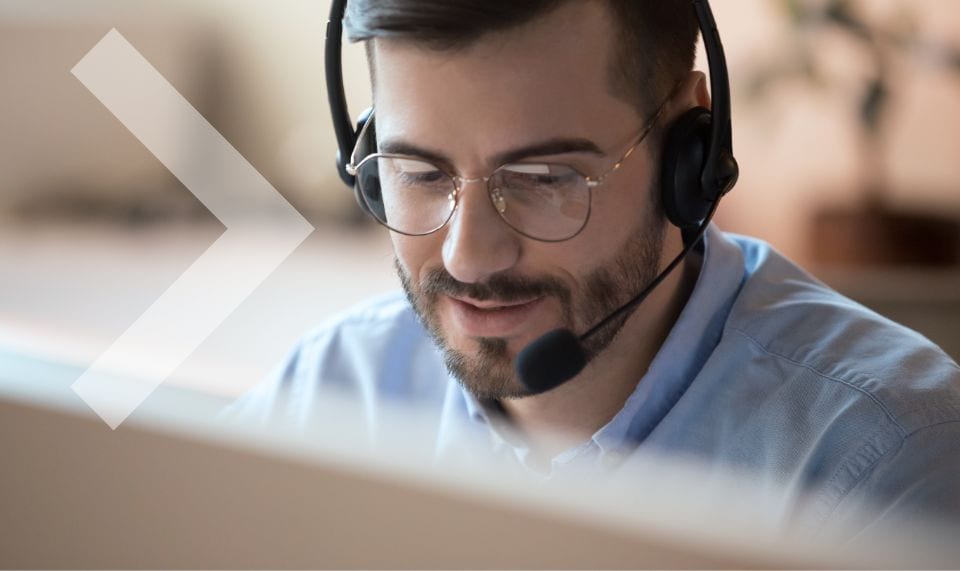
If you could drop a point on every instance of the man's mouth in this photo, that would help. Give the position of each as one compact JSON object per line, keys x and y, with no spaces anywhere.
{"x":492,"y":318}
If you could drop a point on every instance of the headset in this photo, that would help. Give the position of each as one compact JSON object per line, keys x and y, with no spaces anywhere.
{"x":697,"y":169}
{"x":697,"y":164}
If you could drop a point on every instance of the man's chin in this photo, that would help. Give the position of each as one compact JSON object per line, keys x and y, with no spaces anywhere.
{"x":485,"y":369}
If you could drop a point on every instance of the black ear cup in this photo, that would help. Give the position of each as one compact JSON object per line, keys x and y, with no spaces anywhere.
{"x":370,"y":198}
{"x":685,"y":148}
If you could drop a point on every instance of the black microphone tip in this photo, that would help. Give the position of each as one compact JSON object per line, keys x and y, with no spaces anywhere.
{"x":550,"y":361}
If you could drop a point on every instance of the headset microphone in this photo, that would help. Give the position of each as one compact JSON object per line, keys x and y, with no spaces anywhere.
{"x":559,"y":355}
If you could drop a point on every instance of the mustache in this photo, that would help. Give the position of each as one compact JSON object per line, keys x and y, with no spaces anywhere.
{"x":499,"y":287}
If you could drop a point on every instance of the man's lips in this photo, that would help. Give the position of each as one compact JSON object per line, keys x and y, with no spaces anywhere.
{"x":491,"y":304}
{"x":492,"y":318}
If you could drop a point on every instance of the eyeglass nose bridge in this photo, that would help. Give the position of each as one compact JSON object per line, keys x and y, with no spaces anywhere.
{"x":461,"y":180}
{"x":494,"y":193}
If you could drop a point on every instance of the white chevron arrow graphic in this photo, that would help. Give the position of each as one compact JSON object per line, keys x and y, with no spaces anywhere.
{"x":226,"y":183}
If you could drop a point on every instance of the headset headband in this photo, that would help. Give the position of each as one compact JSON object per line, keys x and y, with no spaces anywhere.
{"x":333,"y":64}
{"x":719,"y":171}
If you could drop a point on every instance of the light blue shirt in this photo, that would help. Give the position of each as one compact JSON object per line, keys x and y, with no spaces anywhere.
{"x":766,"y":370}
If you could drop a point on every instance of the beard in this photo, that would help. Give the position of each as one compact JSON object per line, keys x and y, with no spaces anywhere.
{"x":488,"y":371}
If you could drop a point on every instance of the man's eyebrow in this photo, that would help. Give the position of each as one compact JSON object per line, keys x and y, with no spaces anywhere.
{"x":558,"y":146}
{"x":400,"y":147}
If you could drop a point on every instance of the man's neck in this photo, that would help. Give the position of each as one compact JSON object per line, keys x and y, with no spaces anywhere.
{"x":574,"y":411}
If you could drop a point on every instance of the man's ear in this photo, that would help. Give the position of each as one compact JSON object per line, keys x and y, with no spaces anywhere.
{"x":701,"y":89}
{"x":692,"y":92}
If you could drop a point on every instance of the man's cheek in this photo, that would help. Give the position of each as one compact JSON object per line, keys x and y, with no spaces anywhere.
{"x":416,"y":253}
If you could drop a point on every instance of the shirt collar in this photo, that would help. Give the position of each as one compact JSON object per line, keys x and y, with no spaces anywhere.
{"x":475,"y":410}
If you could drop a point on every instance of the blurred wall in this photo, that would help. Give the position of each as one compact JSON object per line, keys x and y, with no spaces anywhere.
{"x":253,"y":69}
{"x":798,"y":147}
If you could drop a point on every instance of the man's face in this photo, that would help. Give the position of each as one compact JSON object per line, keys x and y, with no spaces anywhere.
{"x":483,"y":290}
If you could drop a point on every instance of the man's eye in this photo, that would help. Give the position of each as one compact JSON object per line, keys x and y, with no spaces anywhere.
{"x":543,"y":180}
{"x":422,"y":177}
{"x":534,"y":176}
{"x":414,"y":172}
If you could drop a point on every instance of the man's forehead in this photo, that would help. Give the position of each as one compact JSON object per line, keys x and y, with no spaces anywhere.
{"x":532,"y":64}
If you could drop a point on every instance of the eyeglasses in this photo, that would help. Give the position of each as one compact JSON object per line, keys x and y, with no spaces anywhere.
{"x":549,"y":202}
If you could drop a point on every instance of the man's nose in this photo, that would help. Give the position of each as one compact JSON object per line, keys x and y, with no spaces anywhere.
{"x":478,"y":242}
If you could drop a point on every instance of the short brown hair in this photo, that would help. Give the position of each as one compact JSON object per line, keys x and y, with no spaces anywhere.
{"x":655,"y":45}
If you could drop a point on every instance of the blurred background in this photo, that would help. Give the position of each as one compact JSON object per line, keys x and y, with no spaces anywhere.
{"x":846,"y":126}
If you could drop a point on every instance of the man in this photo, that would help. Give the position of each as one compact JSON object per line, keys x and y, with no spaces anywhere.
{"x":738,"y":358}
